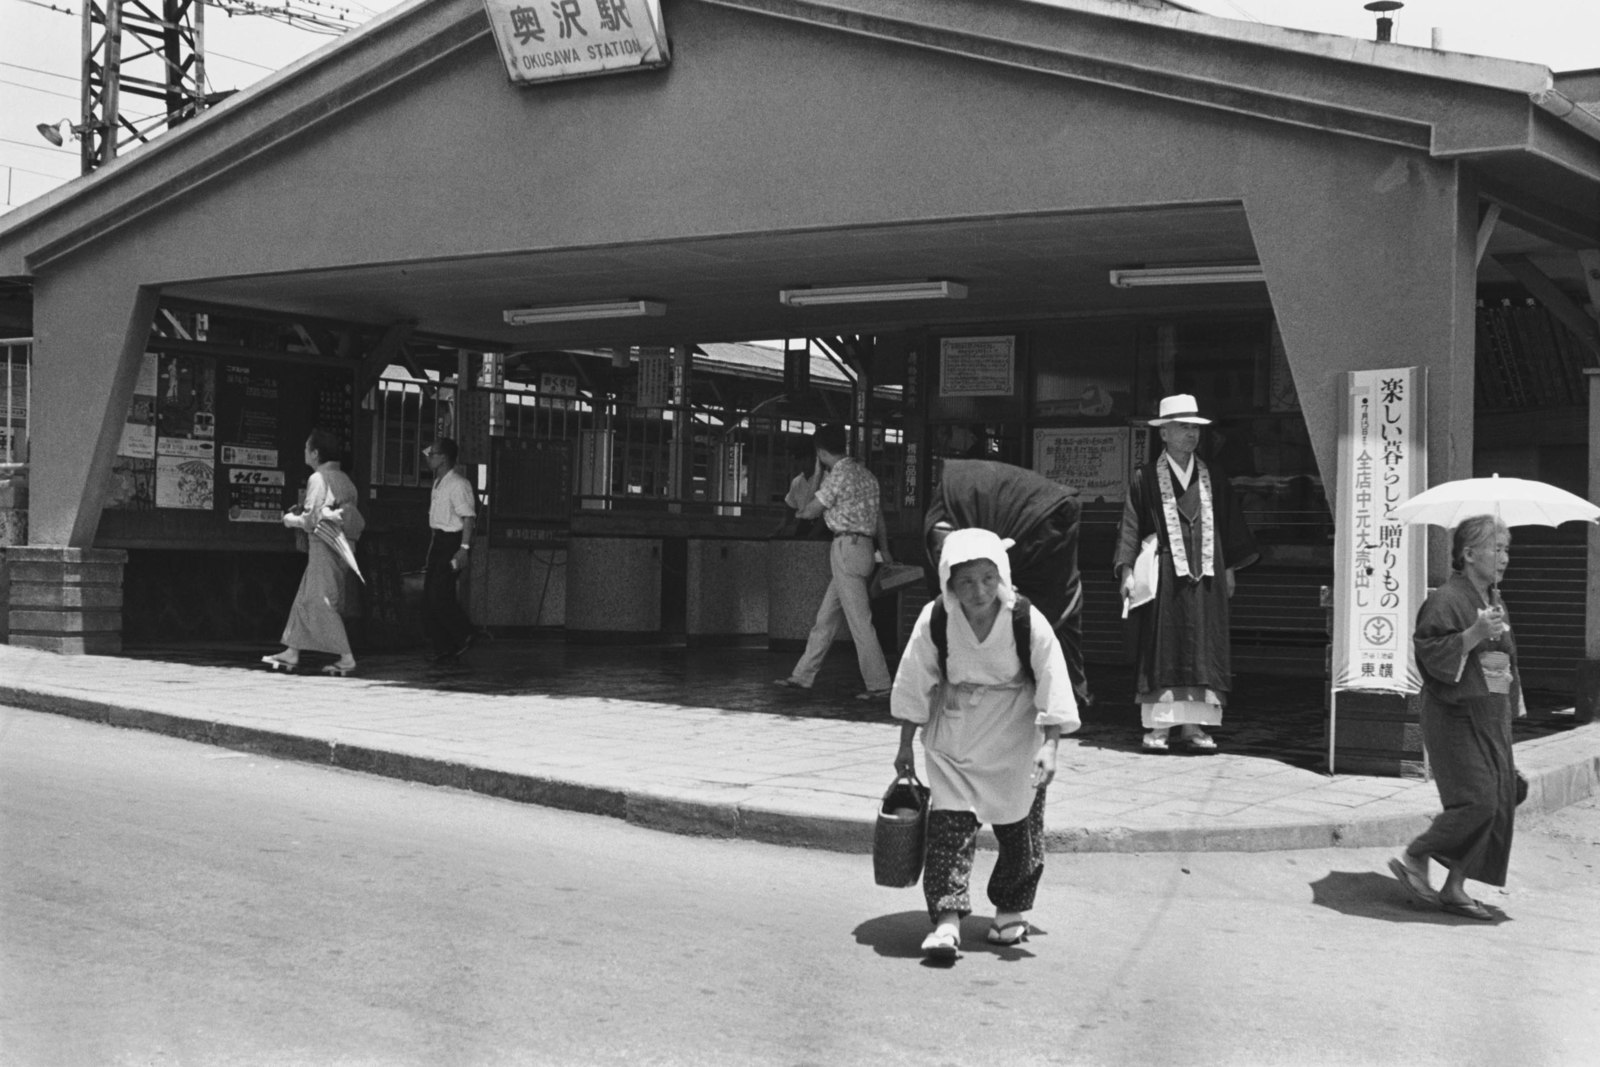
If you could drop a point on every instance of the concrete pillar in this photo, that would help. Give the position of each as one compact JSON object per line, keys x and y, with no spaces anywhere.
{"x":1372,"y":262}
{"x":66,"y":599}
{"x":1586,"y":675}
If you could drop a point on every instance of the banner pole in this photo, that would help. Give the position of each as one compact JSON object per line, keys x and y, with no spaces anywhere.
{"x":1333,"y":724}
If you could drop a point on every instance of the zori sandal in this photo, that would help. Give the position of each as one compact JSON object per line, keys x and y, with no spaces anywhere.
{"x":942,"y":944}
{"x":1416,"y":885}
{"x":339,"y":670}
{"x":278,"y":663}
{"x":1013,"y":933}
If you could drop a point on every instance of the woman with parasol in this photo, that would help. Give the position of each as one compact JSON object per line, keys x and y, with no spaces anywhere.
{"x":1471,"y":691}
{"x":1471,"y":684}
{"x":329,"y":521}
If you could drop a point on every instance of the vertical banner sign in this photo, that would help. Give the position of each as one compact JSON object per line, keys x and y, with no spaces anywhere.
{"x":655,"y":377}
{"x":552,"y":40}
{"x":1379,"y":561}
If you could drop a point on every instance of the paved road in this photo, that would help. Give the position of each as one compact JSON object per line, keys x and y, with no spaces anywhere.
{"x":165,"y":903}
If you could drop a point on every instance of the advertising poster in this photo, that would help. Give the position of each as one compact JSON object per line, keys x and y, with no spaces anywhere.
{"x":139,"y":431}
{"x":184,"y":482}
{"x":1093,"y":461}
{"x":185,"y":429}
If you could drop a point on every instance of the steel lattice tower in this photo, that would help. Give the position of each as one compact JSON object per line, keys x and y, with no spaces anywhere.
{"x":139,"y":49}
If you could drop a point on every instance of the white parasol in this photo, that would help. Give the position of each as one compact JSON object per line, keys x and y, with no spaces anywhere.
{"x":330,"y":530}
{"x":1515,"y":501}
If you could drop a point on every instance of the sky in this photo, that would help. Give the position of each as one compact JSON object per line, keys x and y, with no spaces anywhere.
{"x":39,"y":61}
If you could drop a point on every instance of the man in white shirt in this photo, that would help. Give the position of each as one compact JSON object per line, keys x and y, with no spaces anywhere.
{"x":452,"y":510}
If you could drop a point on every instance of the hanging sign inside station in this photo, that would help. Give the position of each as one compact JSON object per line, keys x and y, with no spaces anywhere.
{"x":977,"y":366}
{"x":1379,"y":565}
{"x":553,"y":40}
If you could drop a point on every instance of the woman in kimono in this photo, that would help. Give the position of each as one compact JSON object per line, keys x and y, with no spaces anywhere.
{"x":314,"y":623}
{"x":990,"y":731}
{"x":1182,"y":509}
{"x":1471,"y":690}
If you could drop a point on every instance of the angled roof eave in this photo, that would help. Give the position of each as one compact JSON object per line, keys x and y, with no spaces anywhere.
{"x":392,"y":46}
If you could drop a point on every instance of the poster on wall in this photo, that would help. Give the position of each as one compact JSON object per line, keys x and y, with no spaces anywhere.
{"x":977,"y":366}
{"x":1379,"y":561}
{"x":1093,"y":461}
{"x":139,"y":430}
{"x":184,"y":482}
{"x":185,"y":417}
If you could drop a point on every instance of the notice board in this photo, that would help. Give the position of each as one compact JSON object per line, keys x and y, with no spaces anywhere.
{"x":222,"y":438}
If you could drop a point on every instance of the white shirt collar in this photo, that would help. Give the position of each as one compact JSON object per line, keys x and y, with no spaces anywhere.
{"x":1183,"y":474}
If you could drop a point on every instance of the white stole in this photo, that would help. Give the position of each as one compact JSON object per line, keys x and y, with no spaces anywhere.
{"x":1181,"y":564}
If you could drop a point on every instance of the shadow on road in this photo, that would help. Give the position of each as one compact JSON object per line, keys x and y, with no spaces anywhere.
{"x":1371,"y":895}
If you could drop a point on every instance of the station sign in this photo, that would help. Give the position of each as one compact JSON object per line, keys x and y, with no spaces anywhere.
{"x":555,"y":40}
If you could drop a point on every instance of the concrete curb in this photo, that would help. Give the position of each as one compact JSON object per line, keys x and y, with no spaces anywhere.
{"x":1551,"y":787}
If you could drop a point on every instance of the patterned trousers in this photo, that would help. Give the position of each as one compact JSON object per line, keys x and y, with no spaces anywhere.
{"x":952,"y":844}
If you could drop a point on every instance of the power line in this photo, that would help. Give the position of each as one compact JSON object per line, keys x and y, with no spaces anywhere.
{"x":40,"y":173}
{"x":49,"y":7}
{"x":247,"y":62}
{"x":38,"y":147}
{"x":37,"y":89}
{"x":37,"y":70}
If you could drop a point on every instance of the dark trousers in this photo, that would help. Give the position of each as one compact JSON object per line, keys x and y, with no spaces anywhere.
{"x":446,"y":624}
{"x":952,"y":844}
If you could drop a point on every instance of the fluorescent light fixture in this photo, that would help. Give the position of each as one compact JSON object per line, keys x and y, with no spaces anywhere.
{"x":1211,"y":275}
{"x":872,"y":294}
{"x":614,"y":309}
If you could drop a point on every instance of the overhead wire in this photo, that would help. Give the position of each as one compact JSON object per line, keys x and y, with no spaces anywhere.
{"x":39,"y":89}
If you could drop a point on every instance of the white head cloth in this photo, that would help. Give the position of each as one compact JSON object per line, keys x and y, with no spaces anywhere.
{"x":963,"y":546}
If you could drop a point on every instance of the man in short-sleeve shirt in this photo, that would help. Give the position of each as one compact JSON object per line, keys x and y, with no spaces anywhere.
{"x":452,"y":511}
{"x":847,"y":498}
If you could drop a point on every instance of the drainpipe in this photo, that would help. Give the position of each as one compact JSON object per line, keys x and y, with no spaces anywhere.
{"x":1567,"y":111}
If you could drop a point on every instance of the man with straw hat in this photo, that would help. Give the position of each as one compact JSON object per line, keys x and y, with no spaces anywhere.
{"x":1182,"y":512}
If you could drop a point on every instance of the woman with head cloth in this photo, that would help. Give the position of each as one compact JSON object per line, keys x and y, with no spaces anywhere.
{"x":993,"y":698}
{"x":1471,"y":690}
{"x":314,"y":623}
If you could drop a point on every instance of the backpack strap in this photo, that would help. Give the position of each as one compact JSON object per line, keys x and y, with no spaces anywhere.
{"x":1021,"y":632}
{"x":939,"y":630}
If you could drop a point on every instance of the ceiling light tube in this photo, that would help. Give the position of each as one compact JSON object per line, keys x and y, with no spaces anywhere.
{"x":871,"y":294}
{"x":614,"y":309}
{"x":1208,"y":275}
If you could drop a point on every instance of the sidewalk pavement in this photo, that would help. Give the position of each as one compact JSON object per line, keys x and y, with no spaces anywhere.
{"x":759,"y":775}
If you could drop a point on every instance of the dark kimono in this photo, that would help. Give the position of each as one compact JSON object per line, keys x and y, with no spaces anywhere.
{"x":1182,"y":635}
{"x":1042,"y":517}
{"x":1466,"y":730}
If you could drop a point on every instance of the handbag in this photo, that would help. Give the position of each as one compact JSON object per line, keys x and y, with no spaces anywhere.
{"x":888,"y":577}
{"x":900,"y":837}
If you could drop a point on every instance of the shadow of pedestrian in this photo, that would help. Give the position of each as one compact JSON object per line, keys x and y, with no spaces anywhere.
{"x":1371,"y":895}
{"x":898,"y":936}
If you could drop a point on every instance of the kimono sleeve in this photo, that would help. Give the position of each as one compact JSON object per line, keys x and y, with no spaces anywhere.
{"x":917,"y":679}
{"x":1053,"y":697}
{"x":1441,"y":648}
{"x":1129,"y":535}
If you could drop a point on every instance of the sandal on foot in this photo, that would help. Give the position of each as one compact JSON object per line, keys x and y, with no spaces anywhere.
{"x":1013,"y":933}
{"x":1200,"y":741}
{"x":1467,"y":909}
{"x":942,"y":944}
{"x":1416,"y":885}
{"x":873,"y":694}
{"x":1154,"y":742}
{"x":338,"y":670}
{"x":278,"y":663}
{"x":790,"y":683}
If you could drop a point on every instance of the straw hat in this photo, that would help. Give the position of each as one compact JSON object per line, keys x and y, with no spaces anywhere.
{"x":1180,"y":407}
